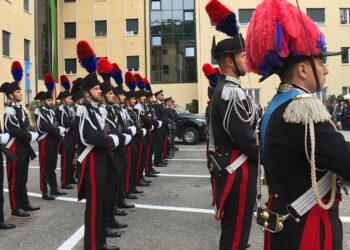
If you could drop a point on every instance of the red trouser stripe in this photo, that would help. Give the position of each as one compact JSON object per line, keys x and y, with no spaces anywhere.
{"x":42,"y":157}
{"x":128,"y":170}
{"x":83,"y":165}
{"x":241,"y":206}
{"x":93,"y":201}
{"x":311,"y":235}
{"x":267,"y":234}
{"x":139,"y":160}
{"x":227,"y":188}
{"x":64,"y":167}
{"x":12,"y":177}
{"x":214,"y":191}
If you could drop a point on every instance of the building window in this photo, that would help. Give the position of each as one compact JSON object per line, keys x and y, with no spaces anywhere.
{"x":245,"y":15}
{"x":26,"y":5}
{"x":132,"y":27}
{"x":69,"y":30}
{"x":344,"y":16}
{"x":70,"y":66}
{"x":26,"y":50}
{"x":166,"y":69}
{"x":101,"y":28}
{"x":69,"y":1}
{"x":155,"y":5}
{"x":132,"y":63}
{"x":156,"y":41}
{"x":345,"y":55}
{"x":6,"y":43}
{"x":173,"y":41}
{"x":255,"y":94}
{"x":345,"y":90}
{"x":317,"y":14}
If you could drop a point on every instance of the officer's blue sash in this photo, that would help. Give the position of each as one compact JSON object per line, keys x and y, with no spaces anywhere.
{"x":277,"y":101}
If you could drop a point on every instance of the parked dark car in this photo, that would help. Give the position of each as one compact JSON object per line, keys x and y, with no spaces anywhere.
{"x":190,"y":127}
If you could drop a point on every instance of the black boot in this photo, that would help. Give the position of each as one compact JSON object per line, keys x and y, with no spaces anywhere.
{"x":6,"y":226}
{"x":113,"y":223}
{"x":46,"y":195}
{"x":20,"y":213}
{"x":124,"y":204}
{"x":112,"y":233}
{"x":119,"y":212}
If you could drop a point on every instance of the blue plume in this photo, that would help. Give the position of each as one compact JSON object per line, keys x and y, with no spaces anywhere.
{"x":229,"y":25}
{"x":213,"y":80}
{"x":90,"y":64}
{"x":118,"y":77}
{"x":279,"y":36}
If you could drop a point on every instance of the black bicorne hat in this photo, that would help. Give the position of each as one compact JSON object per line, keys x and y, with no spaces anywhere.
{"x":8,"y":88}
{"x":232,"y":45}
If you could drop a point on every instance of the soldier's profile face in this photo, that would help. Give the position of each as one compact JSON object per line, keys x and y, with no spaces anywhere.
{"x":95,"y":93}
{"x":68,"y":100}
{"x":48,"y":102}
{"x":110,"y":96}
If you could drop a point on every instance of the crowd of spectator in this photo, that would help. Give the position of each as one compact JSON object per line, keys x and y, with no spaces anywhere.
{"x":340,"y":112}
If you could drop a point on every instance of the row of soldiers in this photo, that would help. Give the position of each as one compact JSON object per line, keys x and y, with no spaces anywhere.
{"x":109,"y":139}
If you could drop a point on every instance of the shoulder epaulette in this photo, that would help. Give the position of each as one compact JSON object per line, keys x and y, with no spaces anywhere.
{"x":306,"y":108}
{"x":10,"y":111}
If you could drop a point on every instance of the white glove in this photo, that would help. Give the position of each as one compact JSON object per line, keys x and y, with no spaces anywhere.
{"x":34,"y":136}
{"x":152,"y":128}
{"x":4,"y":138}
{"x":62,"y":130}
{"x":127,"y":139}
{"x":115,"y":140}
{"x":160,"y":123}
{"x":133,"y":130}
{"x":144,"y":131}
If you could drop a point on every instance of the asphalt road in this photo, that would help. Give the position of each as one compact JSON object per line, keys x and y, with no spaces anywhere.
{"x":175,"y":212}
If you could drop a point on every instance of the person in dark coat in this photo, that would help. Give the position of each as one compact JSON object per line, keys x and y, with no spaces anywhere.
{"x":233,"y":141}
{"x":302,"y":151}
{"x":50,"y":136}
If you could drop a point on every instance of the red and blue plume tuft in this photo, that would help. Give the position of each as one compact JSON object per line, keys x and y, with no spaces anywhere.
{"x":276,"y":32}
{"x":211,"y":73}
{"x":49,"y":82}
{"x":147,"y":84}
{"x":117,"y":74}
{"x":140,"y":82}
{"x":130,"y":80}
{"x":65,"y":82}
{"x":86,"y":56}
{"x":223,"y":18}
{"x":17,"y":71}
{"x":104,"y":68}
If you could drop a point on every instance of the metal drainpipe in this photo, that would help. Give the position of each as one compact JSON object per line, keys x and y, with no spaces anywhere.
{"x":36,"y":47}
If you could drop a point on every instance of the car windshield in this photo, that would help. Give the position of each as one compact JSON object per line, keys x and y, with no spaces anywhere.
{"x":180,"y":109}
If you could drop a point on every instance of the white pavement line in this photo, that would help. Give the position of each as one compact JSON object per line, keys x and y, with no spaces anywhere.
{"x":178,"y":209}
{"x":185,"y":175}
{"x":188,"y":160}
{"x":345,"y":219}
{"x":73,"y":240}
{"x":191,"y":150}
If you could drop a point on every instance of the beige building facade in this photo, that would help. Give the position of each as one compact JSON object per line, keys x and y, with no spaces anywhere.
{"x":166,"y":41}
{"x":17,"y":43}
{"x":148,"y":41}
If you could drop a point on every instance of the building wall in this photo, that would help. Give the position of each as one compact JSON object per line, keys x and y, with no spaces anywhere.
{"x":20,"y":23}
{"x":117,"y":45}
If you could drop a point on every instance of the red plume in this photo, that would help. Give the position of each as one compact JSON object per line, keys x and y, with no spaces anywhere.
{"x":138,"y":77}
{"x":116,"y":67}
{"x":208,"y":70}
{"x":104,"y":66}
{"x":217,"y":11}
{"x":129,"y":77}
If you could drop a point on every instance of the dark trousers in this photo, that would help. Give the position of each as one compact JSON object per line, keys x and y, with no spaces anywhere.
{"x":120,"y":178}
{"x":236,"y":196}
{"x":94,"y":172}
{"x":130,"y":171}
{"x":48,"y":150}
{"x":67,"y":159}
{"x":157,"y":138}
{"x":149,"y":154}
{"x":1,"y":189}
{"x":17,"y":173}
{"x":111,"y":190}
